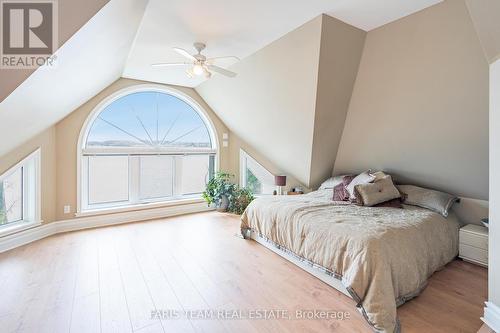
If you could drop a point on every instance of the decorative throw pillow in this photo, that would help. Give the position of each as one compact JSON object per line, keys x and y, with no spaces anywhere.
{"x":436,"y":201}
{"x":374,"y":193}
{"x":339,"y":192}
{"x":331,"y":182}
{"x":362,"y":178}
{"x":378,"y":175}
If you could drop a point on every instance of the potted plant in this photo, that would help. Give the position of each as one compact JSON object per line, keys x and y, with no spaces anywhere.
{"x":218,"y":191}
{"x":239,"y":200}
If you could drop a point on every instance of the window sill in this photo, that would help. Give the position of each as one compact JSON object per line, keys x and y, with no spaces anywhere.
{"x":105,"y":211}
{"x":12,"y":228}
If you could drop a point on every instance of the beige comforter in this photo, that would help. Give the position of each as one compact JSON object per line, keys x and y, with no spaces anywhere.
{"x":383,"y":255}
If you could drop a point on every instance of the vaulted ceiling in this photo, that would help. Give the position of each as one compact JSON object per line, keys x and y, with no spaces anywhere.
{"x":73,"y":14}
{"x":126,"y":36}
{"x":239,"y":28}
{"x":88,"y":62}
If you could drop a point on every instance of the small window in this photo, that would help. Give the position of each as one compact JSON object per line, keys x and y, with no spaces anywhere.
{"x":11,"y":197}
{"x":19,"y":192}
{"x":254,"y":176}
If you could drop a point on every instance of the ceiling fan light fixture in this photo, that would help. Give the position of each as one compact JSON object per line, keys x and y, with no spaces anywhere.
{"x":198,"y":69}
{"x":198,"y":64}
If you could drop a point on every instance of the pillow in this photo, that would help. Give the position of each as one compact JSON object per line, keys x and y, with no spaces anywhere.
{"x":378,"y":175}
{"x":331,"y":183}
{"x":436,"y":201}
{"x":362,"y":178}
{"x":374,"y":193}
{"x":339,"y":191}
{"x":394,"y":203}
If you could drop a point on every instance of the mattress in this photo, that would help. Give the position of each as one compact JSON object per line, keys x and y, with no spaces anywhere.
{"x":383,"y":256}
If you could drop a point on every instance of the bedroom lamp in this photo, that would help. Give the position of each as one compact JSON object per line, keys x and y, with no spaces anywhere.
{"x":280,"y":181}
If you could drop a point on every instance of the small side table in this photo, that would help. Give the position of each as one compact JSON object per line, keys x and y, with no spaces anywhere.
{"x":293,"y":193}
{"x":473,"y":244}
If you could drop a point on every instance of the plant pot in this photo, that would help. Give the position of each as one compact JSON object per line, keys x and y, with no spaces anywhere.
{"x":223,"y":205}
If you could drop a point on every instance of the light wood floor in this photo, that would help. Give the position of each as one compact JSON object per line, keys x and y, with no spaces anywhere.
{"x":111,"y":279}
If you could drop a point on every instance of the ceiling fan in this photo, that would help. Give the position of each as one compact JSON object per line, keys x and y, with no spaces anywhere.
{"x":199,"y":65}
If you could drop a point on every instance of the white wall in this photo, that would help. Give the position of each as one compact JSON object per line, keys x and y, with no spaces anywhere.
{"x":494,"y":240}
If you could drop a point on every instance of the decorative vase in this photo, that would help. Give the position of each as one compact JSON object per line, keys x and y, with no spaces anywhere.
{"x":224,"y":204}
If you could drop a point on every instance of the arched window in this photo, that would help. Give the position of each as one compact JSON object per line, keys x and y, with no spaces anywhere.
{"x":145,"y":146}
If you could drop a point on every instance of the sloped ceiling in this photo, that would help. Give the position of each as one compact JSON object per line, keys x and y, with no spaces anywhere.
{"x":340,"y":54}
{"x":419,"y":108}
{"x":292,"y":96}
{"x":97,"y":54}
{"x":73,"y":14}
{"x":271,"y":103}
{"x":240,"y":28}
{"x":485,"y":16}
{"x":90,"y":60}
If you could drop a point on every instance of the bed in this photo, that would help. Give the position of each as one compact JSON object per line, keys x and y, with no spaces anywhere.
{"x":380,"y":257}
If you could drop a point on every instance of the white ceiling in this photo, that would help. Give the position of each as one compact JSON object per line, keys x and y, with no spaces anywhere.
{"x":240,"y":28}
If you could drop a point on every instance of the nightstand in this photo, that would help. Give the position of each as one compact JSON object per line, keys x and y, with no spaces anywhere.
{"x":473,"y":244}
{"x":294,"y":193}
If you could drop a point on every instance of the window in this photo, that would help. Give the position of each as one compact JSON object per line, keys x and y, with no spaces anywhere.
{"x":254,"y":176}
{"x":143,"y":147}
{"x":19,"y":192}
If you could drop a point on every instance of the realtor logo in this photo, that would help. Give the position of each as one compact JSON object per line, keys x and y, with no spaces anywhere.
{"x":28,"y":32}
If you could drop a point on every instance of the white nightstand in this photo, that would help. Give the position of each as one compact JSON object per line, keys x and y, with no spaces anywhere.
{"x":473,"y":244}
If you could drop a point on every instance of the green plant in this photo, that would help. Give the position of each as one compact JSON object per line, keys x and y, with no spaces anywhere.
{"x":239,"y":200}
{"x":253,"y":182}
{"x":218,"y":186}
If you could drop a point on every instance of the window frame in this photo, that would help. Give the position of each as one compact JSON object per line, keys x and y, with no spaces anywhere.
{"x":82,"y":204}
{"x":244,"y":156}
{"x":31,"y":193}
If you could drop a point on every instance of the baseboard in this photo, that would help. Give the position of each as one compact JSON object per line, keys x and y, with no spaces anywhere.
{"x":492,"y":316}
{"x":45,"y":230}
{"x":26,"y":236}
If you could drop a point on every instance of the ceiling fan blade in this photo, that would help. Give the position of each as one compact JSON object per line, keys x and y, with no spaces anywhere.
{"x":225,"y":57}
{"x":221,"y":70}
{"x":184,"y":53}
{"x":207,"y":73}
{"x":172,"y":64}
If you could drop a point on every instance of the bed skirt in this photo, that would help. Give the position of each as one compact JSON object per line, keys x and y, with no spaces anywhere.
{"x":331,"y":278}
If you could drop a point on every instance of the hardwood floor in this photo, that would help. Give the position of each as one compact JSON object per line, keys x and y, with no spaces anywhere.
{"x":126,"y":279}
